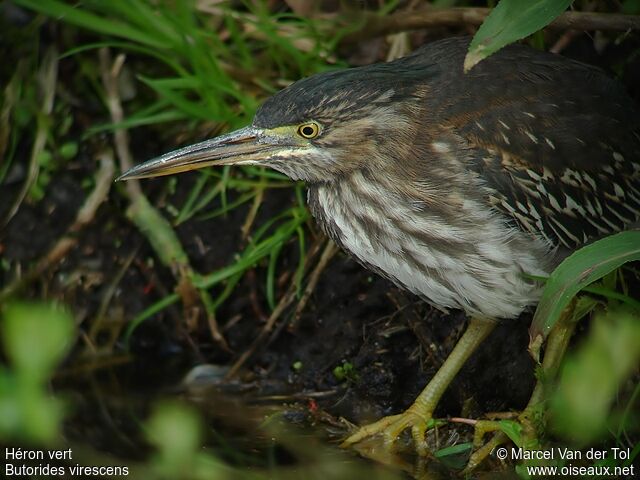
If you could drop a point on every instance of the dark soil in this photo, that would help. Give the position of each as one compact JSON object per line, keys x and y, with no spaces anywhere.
{"x":394,"y":342}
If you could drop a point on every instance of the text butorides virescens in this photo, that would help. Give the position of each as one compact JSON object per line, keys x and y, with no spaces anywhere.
{"x":452,"y":185}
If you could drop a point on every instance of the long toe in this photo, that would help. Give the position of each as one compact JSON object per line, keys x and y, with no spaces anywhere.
{"x":389,"y":429}
{"x":369,"y":431}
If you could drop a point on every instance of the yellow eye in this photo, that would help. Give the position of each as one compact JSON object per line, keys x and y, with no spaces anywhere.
{"x":309,"y":130}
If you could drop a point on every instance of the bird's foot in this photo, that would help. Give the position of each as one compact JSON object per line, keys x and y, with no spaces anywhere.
{"x":482,"y":450}
{"x":418,"y":418}
{"x":387,"y":431}
{"x":390,"y":428}
{"x":522,"y":427}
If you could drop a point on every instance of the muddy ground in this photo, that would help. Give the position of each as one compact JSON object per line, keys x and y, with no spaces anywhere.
{"x":393,"y":341}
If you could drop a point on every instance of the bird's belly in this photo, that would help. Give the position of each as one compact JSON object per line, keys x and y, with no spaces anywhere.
{"x":483,"y":277}
{"x":485,"y":290}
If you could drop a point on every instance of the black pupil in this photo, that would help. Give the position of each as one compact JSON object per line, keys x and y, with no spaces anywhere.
{"x":307,"y":131}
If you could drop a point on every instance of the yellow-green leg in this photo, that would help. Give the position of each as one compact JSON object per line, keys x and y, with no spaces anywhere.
{"x":418,"y":415}
{"x":557,"y":344}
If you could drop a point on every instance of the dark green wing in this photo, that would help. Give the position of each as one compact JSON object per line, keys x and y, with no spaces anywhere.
{"x":556,"y":141}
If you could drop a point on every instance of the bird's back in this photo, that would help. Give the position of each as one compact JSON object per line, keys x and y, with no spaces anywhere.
{"x":555,"y":139}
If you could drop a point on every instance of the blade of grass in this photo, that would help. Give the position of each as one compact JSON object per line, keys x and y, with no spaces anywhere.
{"x":271,"y":276}
{"x":83,"y":18}
{"x":187,"y":210}
{"x":230,"y":206}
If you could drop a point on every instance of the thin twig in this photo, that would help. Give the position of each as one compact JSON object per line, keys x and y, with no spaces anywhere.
{"x":96,"y":324}
{"x":253,"y":211}
{"x":329,"y":251}
{"x":91,"y":364}
{"x":376,"y":26}
{"x":567,"y":37}
{"x":564,"y":41}
{"x":297,"y":396}
{"x":466,"y":421}
{"x":268,"y":327}
{"x":110,"y":73}
{"x":145,"y":216}
{"x":285,"y":301}
{"x":47,"y":79}
{"x":10,"y":99}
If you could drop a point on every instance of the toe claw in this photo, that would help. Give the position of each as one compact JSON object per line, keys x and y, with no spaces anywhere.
{"x":390,"y":428}
{"x":418,"y":434}
{"x":370,"y":430}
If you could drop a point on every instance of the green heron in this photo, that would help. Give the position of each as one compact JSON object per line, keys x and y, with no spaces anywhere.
{"x":454,"y":186}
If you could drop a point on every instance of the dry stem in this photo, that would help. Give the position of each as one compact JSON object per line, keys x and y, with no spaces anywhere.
{"x":147,"y":218}
{"x":375,"y":26}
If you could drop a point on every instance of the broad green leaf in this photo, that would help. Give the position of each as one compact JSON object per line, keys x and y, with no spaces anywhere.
{"x":511,"y":20}
{"x":513,"y":430}
{"x":577,"y":271}
{"x":174,"y":429}
{"x":590,"y":377}
{"x":455,"y":456}
{"x":36,"y":338}
{"x":454,"y":450}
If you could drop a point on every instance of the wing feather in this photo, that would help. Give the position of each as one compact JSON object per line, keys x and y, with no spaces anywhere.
{"x":557,"y":142}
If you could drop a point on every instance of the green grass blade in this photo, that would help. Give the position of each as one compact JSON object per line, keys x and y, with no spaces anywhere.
{"x":271,"y":276}
{"x":229,"y":287}
{"x":511,"y":20}
{"x":148,"y":313}
{"x":191,"y":108}
{"x":187,"y":210}
{"x":249,"y":256}
{"x":83,"y":18}
{"x":301,"y":262}
{"x":613,"y":295}
{"x":579,"y":270}
{"x":230,"y":206}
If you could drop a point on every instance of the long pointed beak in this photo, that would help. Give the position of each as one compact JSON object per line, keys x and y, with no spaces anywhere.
{"x":244,"y":146}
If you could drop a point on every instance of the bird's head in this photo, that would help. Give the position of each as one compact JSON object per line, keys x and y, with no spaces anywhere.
{"x":316,"y":129}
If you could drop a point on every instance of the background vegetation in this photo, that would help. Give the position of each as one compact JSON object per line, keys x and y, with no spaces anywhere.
{"x":210,"y":267}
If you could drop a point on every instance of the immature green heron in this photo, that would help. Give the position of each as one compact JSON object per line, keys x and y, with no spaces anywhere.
{"x":452,"y":185}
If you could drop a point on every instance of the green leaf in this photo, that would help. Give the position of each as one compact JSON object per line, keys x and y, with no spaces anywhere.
{"x":511,"y":20}
{"x":591,"y":377}
{"x":455,"y":456}
{"x":513,"y":430}
{"x":36,"y":338}
{"x":175,"y":430}
{"x":454,"y":450}
{"x":631,"y":7}
{"x":577,"y":271}
{"x":68,"y":150}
